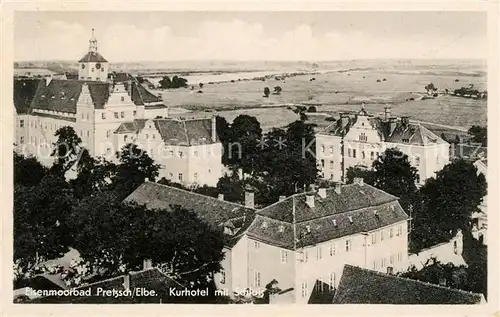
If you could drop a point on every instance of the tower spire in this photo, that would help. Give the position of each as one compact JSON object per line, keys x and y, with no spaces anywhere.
{"x":93,"y":43}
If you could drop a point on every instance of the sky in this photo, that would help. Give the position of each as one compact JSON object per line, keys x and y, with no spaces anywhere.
{"x":251,"y":36}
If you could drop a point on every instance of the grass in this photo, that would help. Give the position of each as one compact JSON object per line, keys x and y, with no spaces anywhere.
{"x":334,"y":92}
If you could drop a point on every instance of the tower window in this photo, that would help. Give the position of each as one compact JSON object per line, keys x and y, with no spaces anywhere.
{"x":103,"y":115}
{"x":122,"y":114}
{"x":122,"y":98}
{"x":116,"y":115}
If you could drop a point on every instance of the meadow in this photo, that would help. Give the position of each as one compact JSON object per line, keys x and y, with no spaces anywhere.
{"x":334,"y":92}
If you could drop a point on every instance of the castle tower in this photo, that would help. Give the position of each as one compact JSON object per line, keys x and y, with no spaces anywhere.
{"x":92,"y":66}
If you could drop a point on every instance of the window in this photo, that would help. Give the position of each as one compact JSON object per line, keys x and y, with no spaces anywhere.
{"x":88,"y":134}
{"x":180,"y":177}
{"x":362,"y":137}
{"x":322,"y":148}
{"x":400,"y":257}
{"x":108,"y":150}
{"x":374,"y":265}
{"x":406,"y":140}
{"x":171,"y":153}
{"x":134,"y":113}
{"x":256,"y":245}
{"x":372,"y":155}
{"x":322,"y":163}
{"x":256,"y":277}
{"x":391,"y":233}
{"x":116,"y":115}
{"x":180,"y":154}
{"x":331,"y":176}
{"x":331,"y":148}
{"x":382,"y":263}
{"x":122,"y":98}
{"x":284,"y":256}
{"x":332,"y":249}
{"x":306,"y":256}
{"x":122,"y":114}
{"x":92,"y":69}
{"x":332,"y":165}
{"x":319,"y":253}
{"x":304,"y":289}
{"x":125,"y":138}
{"x":399,"y":230}
{"x":21,"y":123}
{"x":331,"y":281}
{"x":349,"y":152}
{"x":21,"y":140}
{"x":354,"y":153}
{"x":347,"y":245}
{"x":147,"y":136}
{"x":103,"y":115}
{"x":417,"y":178}
{"x":391,"y":259}
{"x":170,"y":175}
{"x":108,"y":133}
{"x":223,"y":277}
{"x":382,"y":235}
{"x":374,"y":238}
{"x":87,"y":116}
{"x":195,"y":176}
{"x":417,"y":161}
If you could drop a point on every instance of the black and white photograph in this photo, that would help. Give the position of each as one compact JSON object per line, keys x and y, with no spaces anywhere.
{"x":250,"y":157}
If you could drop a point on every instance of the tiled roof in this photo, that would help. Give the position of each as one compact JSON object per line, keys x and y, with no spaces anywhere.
{"x":24,"y":92}
{"x":213,"y":211}
{"x":150,"y":279}
{"x":143,"y":94}
{"x":93,"y":57}
{"x":362,"y":286}
{"x":411,"y":133}
{"x":292,"y":223}
{"x":175,"y":131}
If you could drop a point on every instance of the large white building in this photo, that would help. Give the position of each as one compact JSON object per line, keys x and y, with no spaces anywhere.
{"x":108,"y":113}
{"x":358,"y":141}
{"x":302,"y":241}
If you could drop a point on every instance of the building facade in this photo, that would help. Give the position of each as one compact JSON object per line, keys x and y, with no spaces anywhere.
{"x":107,"y":113}
{"x":359,"y":140}
{"x":300,"y":240}
{"x":480,"y":219}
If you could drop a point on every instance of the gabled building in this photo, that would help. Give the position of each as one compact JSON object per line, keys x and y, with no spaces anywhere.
{"x":480,"y":219}
{"x":362,"y":286}
{"x":359,"y":139}
{"x":300,"y":239}
{"x":105,"y":110}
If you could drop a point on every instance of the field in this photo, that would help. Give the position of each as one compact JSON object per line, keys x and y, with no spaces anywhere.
{"x":342,"y":91}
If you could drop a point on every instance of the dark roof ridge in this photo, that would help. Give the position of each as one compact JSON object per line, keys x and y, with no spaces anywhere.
{"x":275,"y":203}
{"x":345,"y":212}
{"x":412,"y":280}
{"x":196,"y":194}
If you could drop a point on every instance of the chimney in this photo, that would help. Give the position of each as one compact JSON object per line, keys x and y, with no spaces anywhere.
{"x":405,"y":121}
{"x":359,"y":181}
{"x":387,"y":113}
{"x":392,"y":124}
{"x":282,"y":198}
{"x":126,"y":281}
{"x":214,"y":129}
{"x":221,"y":197}
{"x":338,"y":187}
{"x":344,"y":119}
{"x":322,"y":192}
{"x":147,"y":264}
{"x":310,"y":200}
{"x":249,"y":199}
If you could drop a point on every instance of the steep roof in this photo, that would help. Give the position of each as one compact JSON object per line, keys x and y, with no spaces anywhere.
{"x":175,"y":131}
{"x":140,"y":92}
{"x":93,"y":57}
{"x":362,"y":286}
{"x":292,"y":223}
{"x":409,"y":133}
{"x":215,"y":212}
{"x":24,"y":93}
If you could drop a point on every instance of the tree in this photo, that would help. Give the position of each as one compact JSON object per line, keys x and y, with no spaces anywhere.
{"x":311,"y":109}
{"x":178,"y":82}
{"x":277,"y":90}
{"x":245,"y":134}
{"x":201,"y":85}
{"x":28,"y":171}
{"x":266,"y":92}
{"x":40,"y":221}
{"x":368,"y":175}
{"x":135,"y":166}
{"x":165,"y":82}
{"x":66,"y":149}
{"x":479,"y":134}
{"x":430,"y":87}
{"x":394,"y":174}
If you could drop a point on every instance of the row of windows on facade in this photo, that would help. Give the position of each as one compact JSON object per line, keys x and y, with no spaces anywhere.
{"x":116,"y":114}
{"x":180,"y":176}
{"x":332,"y":248}
{"x":352,"y":153}
{"x":47,"y":126}
{"x":388,"y":262}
